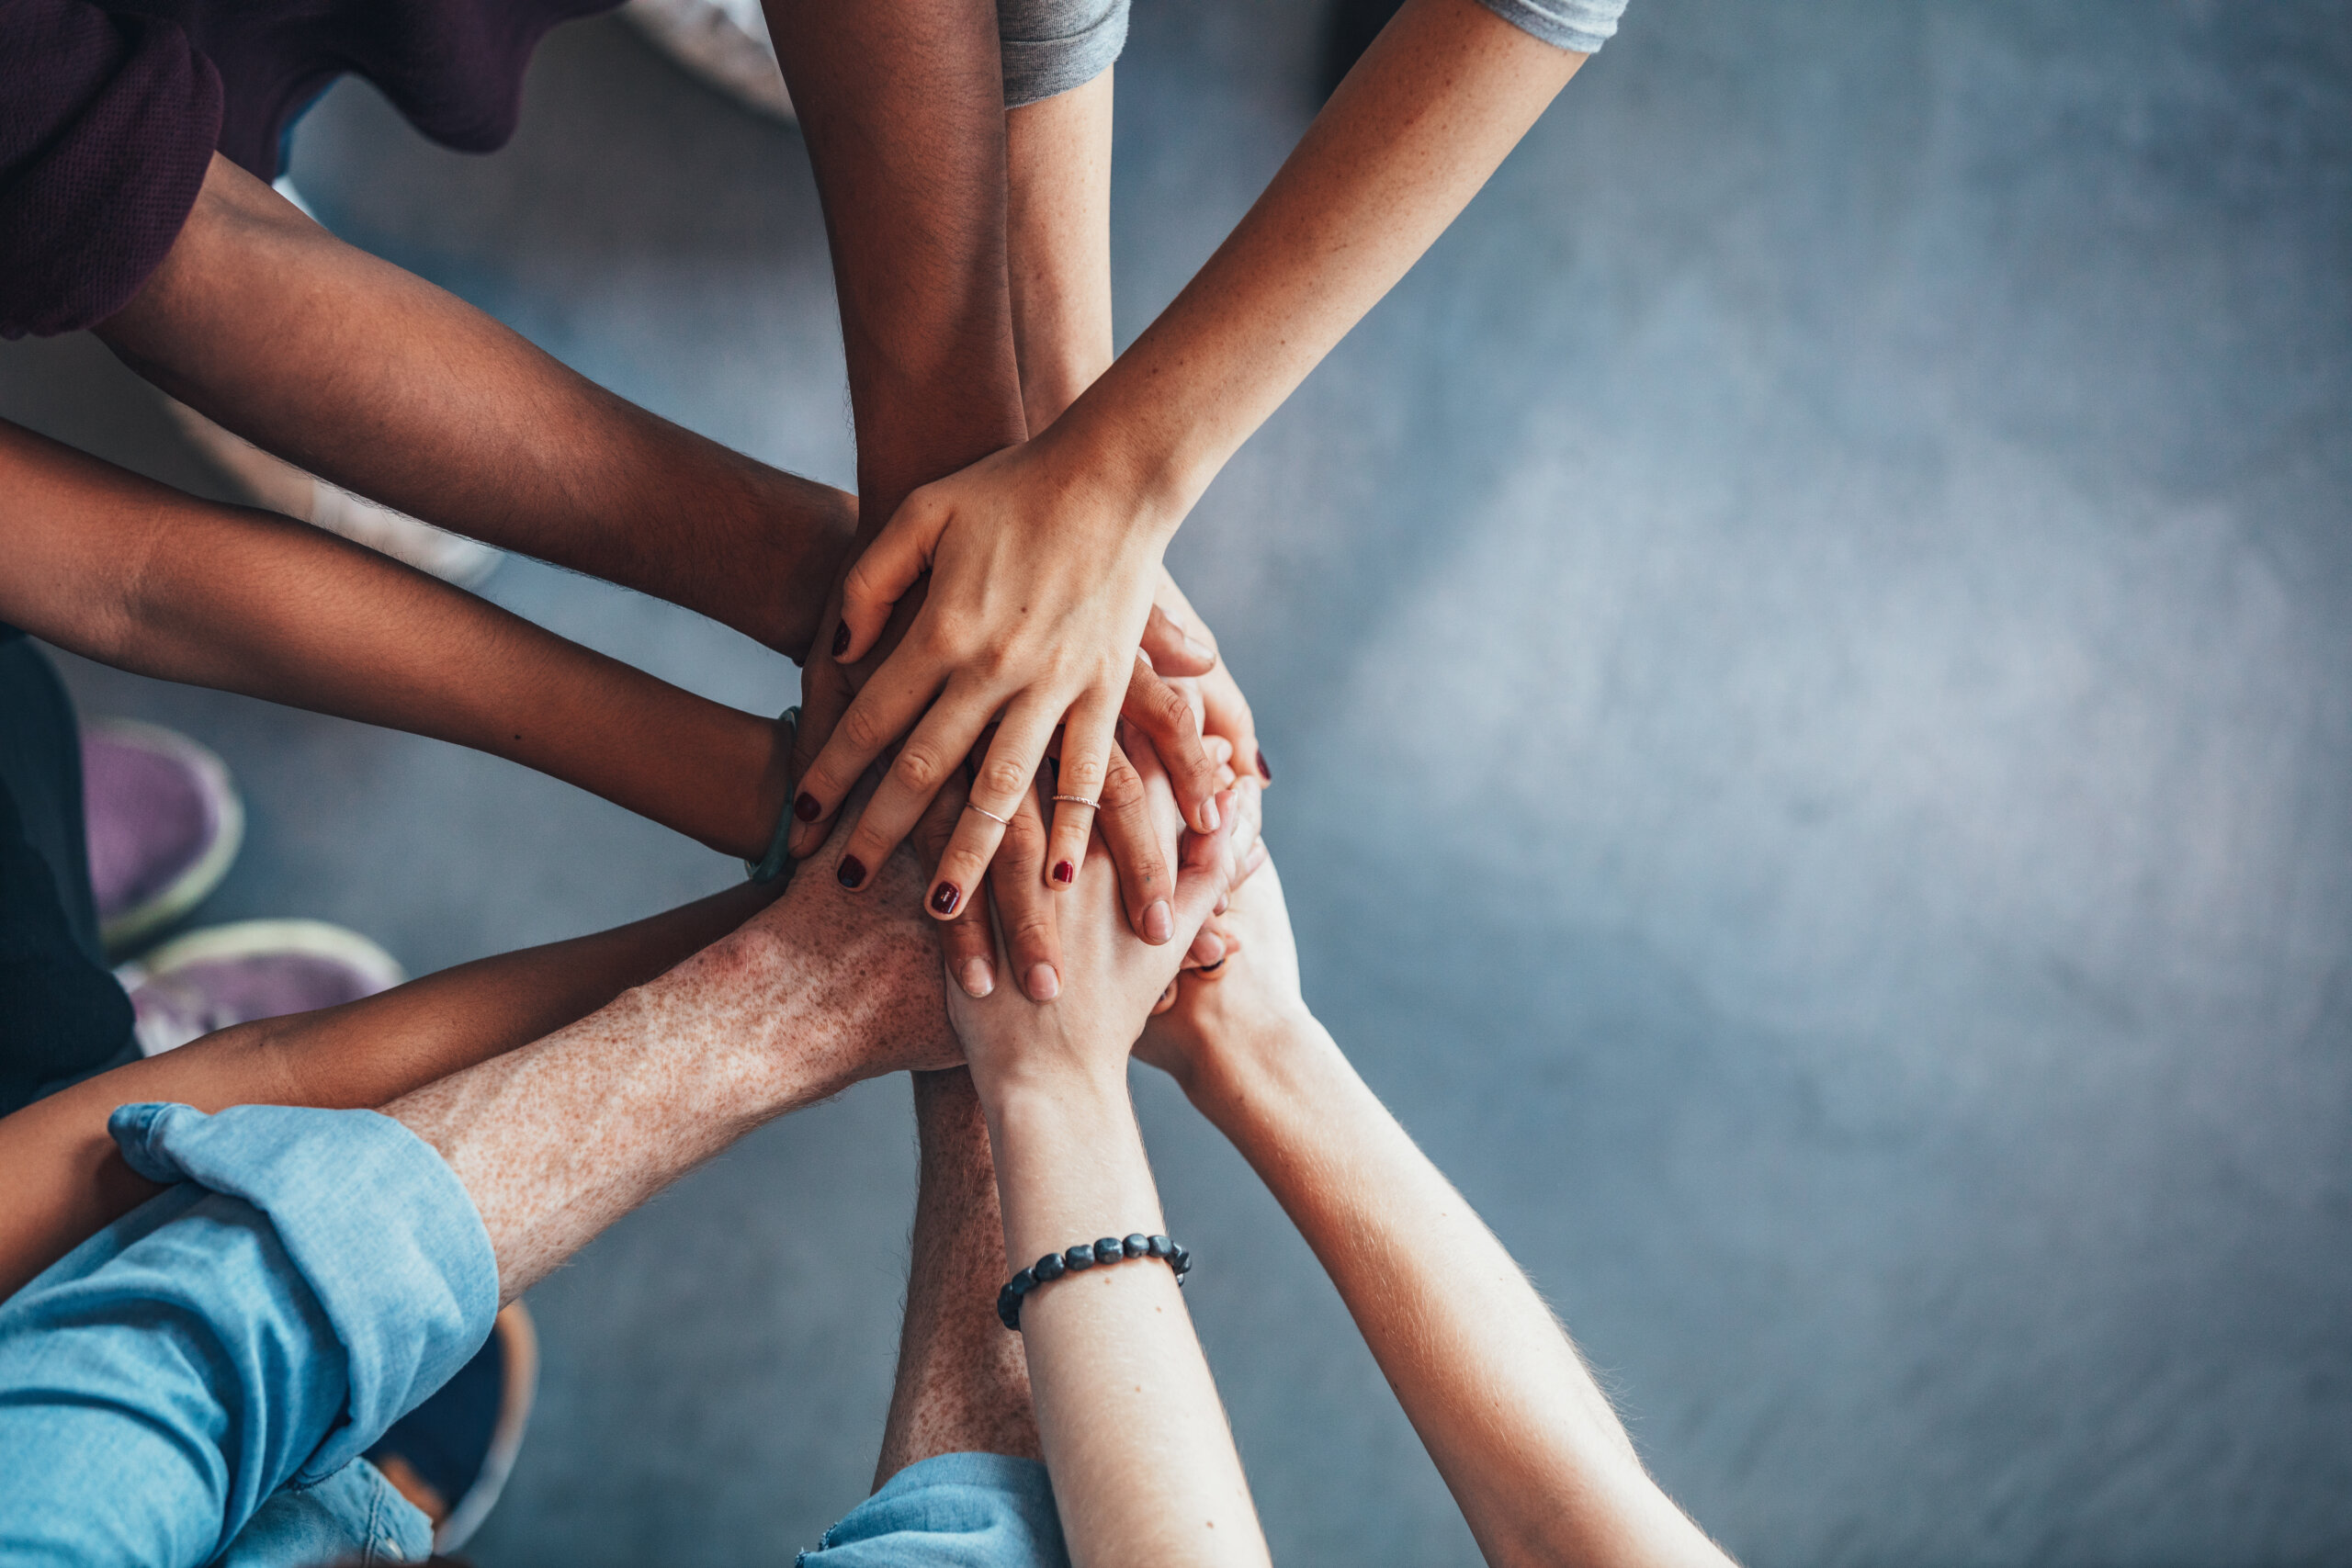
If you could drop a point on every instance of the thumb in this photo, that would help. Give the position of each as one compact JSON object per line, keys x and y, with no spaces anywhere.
{"x":891,"y":565}
{"x":1173,"y":649}
{"x":1205,"y":866}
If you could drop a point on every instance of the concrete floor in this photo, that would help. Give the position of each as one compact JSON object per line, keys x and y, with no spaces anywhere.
{"x":1808,"y":649}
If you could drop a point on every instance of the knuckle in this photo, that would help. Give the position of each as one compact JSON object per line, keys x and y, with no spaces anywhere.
{"x":918,"y":768}
{"x":1082,"y":774}
{"x":864,"y":728}
{"x":1004,"y":779}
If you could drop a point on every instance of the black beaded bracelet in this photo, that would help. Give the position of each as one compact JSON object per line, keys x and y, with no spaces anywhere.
{"x":1084,"y":1256}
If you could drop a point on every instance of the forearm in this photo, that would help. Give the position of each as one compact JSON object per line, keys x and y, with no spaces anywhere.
{"x":557,"y":1140}
{"x":902,"y":106}
{"x":1143,"y":1462}
{"x":1418,"y":127}
{"x":378,"y":381}
{"x":141,"y":577}
{"x":1539,"y":1462}
{"x":1057,"y":160}
{"x":66,"y":1181}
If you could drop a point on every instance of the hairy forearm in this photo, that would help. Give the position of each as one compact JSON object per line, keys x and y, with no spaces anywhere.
{"x":1143,"y":1463}
{"x":1057,"y":161}
{"x":1539,"y":1462}
{"x":66,"y":1181}
{"x":139,"y":576}
{"x":379,"y":382}
{"x":557,"y":1140}
{"x":1418,"y":127}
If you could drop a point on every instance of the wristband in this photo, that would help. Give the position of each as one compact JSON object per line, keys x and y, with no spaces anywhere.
{"x":778,"y":861}
{"x":1084,"y":1256}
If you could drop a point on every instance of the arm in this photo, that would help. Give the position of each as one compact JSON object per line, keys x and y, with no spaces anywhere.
{"x":1042,"y":560}
{"x":373,"y":378}
{"x":1143,"y":1463}
{"x":66,"y":1181}
{"x":133,"y":574}
{"x":1536,"y":1458}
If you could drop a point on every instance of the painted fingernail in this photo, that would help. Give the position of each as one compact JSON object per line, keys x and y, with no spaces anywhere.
{"x":806,"y":807}
{"x":1043,"y":984}
{"x":851,"y":872}
{"x":1159,"y":922}
{"x":944,"y":897}
{"x":841,"y":640}
{"x":1264,"y":772}
{"x":980,"y":979}
{"x":1065,"y":873}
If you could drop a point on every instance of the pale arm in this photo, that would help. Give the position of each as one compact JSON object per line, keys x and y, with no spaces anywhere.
{"x":1535,"y":1457}
{"x":67,"y":1181}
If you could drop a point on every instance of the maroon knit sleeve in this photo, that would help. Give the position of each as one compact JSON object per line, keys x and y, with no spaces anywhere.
{"x":107,"y":125}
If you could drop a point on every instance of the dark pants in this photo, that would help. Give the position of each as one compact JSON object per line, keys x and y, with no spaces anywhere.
{"x":61,"y":1015}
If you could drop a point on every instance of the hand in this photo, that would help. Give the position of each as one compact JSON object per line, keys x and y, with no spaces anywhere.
{"x":1220,"y":707}
{"x":1112,"y":979}
{"x":1038,"y":593}
{"x":1211,"y":1026}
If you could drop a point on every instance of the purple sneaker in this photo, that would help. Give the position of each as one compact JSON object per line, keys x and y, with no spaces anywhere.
{"x":163,"y":822}
{"x":229,"y":975}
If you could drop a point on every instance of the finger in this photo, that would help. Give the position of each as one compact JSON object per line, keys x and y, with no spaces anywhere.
{"x":1226,"y":711}
{"x":1166,"y":999}
{"x":1159,"y":710}
{"x":1133,"y":842}
{"x":998,"y":787}
{"x":885,"y":569}
{"x":1172,"y":647}
{"x":1086,"y":749}
{"x":895,"y":697}
{"x":965,"y":941}
{"x":1201,"y":876}
{"x":1027,"y":908}
{"x":926,"y":760}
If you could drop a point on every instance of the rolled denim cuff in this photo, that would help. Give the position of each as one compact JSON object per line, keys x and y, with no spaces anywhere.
{"x":378,"y":1225}
{"x":1051,"y":46}
{"x":1579,"y":25}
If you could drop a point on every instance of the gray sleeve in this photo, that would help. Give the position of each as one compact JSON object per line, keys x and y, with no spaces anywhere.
{"x":1051,"y":46}
{"x":1580,"y":25}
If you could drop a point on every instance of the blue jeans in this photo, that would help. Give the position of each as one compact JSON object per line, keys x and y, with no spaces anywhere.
{"x":196,"y":1381}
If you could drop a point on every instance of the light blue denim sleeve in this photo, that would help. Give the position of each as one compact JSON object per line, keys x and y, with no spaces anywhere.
{"x":1580,"y":25}
{"x":967,"y":1510}
{"x":312,"y":1277}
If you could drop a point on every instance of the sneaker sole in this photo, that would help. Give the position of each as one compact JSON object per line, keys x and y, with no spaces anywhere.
{"x":241,"y":939}
{"x":521,"y":1389}
{"x":206,"y":873}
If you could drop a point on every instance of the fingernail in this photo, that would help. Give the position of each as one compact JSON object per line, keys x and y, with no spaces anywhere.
{"x":1043,"y":984}
{"x":806,"y":807}
{"x":1264,"y":772}
{"x":978,"y":978}
{"x":851,"y":872}
{"x":841,"y":640}
{"x":1159,"y":922}
{"x":1198,"y":649}
{"x":1221,"y":905}
{"x":944,"y":897}
{"x":1065,"y":873}
{"x":1211,"y":945}
{"x":1208,"y":815}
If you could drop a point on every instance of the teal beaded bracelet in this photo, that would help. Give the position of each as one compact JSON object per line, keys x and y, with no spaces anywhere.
{"x":1110,"y":1249}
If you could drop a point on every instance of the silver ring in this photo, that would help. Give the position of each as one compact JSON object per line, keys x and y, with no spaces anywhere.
{"x":1079,"y":800}
{"x":999,"y":821}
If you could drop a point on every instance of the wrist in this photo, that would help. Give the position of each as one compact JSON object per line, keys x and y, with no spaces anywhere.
{"x":1141,"y":461}
{"x":1263,"y":1067}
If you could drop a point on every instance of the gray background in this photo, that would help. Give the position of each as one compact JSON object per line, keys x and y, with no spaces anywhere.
{"x":1806,"y":653}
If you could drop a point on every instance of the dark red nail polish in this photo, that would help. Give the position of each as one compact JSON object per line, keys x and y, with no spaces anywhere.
{"x":1264,"y":772}
{"x":851,"y":872}
{"x":944,"y":897}
{"x":841,"y":640}
{"x":806,"y":807}
{"x":1064,"y":873}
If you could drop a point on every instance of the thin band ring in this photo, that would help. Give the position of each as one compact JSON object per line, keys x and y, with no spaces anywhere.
{"x":999,"y":821}
{"x":1080,"y":800}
